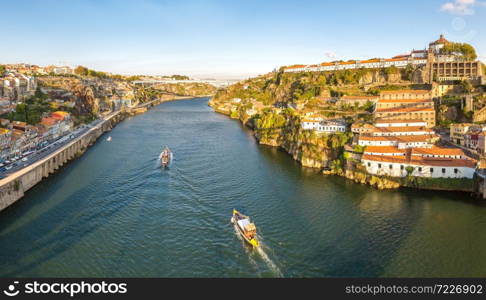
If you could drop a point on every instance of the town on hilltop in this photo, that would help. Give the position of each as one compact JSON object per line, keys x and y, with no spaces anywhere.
{"x":415,"y":119}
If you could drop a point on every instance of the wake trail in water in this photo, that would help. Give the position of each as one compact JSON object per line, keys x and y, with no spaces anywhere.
{"x":268,"y":261}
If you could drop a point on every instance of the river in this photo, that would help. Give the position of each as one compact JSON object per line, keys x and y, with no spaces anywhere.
{"x":113,"y":212}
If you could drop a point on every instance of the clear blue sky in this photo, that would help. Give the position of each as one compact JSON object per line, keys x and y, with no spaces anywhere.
{"x":227,"y":37}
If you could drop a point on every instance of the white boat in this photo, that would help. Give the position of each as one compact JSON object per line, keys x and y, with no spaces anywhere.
{"x":108,"y":139}
{"x":165,"y":157}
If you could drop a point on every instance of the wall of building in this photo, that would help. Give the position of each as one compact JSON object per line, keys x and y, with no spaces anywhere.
{"x":396,"y":170}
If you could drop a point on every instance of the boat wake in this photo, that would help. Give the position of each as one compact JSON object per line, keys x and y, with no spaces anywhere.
{"x":268,"y":261}
{"x":262,"y":253}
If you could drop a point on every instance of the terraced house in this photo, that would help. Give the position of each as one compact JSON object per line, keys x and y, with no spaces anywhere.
{"x":401,"y":148}
{"x":406,"y":105}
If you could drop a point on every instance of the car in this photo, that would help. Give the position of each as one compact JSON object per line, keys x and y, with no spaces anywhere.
{"x":7,"y":161}
{"x":1,"y":165}
{"x":8,"y":167}
{"x":25,"y":159}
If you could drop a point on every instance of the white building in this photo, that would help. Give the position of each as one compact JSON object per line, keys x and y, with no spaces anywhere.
{"x":399,"y":166}
{"x":402,"y":142}
{"x":323,"y":126}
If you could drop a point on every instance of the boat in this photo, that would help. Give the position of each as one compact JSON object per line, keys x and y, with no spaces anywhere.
{"x":109,"y":139}
{"x":245,"y":228}
{"x":165,"y":157}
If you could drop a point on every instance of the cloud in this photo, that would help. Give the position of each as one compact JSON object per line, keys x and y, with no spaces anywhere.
{"x":331,"y":55}
{"x":461,"y":7}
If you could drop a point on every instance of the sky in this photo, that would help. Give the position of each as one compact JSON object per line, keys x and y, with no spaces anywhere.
{"x":227,"y":38}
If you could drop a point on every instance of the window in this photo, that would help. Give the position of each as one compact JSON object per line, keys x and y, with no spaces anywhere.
{"x":420,"y":169}
{"x":402,"y":167}
{"x":391,"y":167}
{"x":456,"y":171}
{"x":369,"y":164}
{"x":443,"y":170}
{"x":431,"y":170}
{"x":379,"y":166}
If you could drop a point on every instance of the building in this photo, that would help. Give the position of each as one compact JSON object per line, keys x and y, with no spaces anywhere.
{"x":401,"y":142}
{"x":466,"y":134}
{"x":406,"y":105}
{"x":419,"y":166}
{"x":398,"y":62}
{"x":426,"y":114}
{"x":443,"y":67}
{"x":324,"y":126}
{"x":406,"y":94}
{"x":480,"y":115}
{"x":439,"y":66}
{"x":401,"y":131}
{"x":362,"y":128}
{"x":359,"y":101}
{"x":400,"y":123}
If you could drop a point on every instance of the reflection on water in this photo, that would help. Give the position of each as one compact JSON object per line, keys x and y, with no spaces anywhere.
{"x":114,"y":212}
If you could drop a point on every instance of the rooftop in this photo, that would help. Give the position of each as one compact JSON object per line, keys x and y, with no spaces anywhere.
{"x":403,"y":129}
{"x":400,"y":139}
{"x":384,"y":149}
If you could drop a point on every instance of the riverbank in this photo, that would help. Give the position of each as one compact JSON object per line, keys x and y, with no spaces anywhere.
{"x":329,"y":155}
{"x":14,"y":186}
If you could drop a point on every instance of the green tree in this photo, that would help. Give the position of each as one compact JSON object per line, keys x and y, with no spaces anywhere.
{"x":80,"y":70}
{"x":466,"y":50}
{"x":467,"y":86}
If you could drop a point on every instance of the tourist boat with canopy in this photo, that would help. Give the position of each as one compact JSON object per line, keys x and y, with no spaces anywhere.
{"x":245,"y":228}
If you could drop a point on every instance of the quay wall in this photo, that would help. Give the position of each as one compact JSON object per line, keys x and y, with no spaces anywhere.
{"x":13,"y":187}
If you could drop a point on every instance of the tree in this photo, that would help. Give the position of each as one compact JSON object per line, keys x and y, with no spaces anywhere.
{"x":466,"y":50}
{"x":2,"y":69}
{"x":80,"y":70}
{"x":467,"y":86}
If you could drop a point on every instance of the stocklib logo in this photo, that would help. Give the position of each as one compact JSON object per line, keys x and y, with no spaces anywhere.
{"x":12,"y":291}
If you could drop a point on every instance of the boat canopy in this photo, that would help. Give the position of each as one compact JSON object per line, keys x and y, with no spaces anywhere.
{"x":243,"y":223}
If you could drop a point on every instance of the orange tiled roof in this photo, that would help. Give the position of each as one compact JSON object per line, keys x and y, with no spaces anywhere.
{"x":401,"y":139}
{"x":295,"y":67}
{"x":48,"y":121}
{"x":403,"y":129}
{"x":369,"y":61}
{"x":396,"y":59}
{"x":434,"y":150}
{"x":327,"y":64}
{"x":384,"y":149}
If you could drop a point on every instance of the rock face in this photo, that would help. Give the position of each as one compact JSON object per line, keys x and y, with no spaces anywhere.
{"x":85,"y":100}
